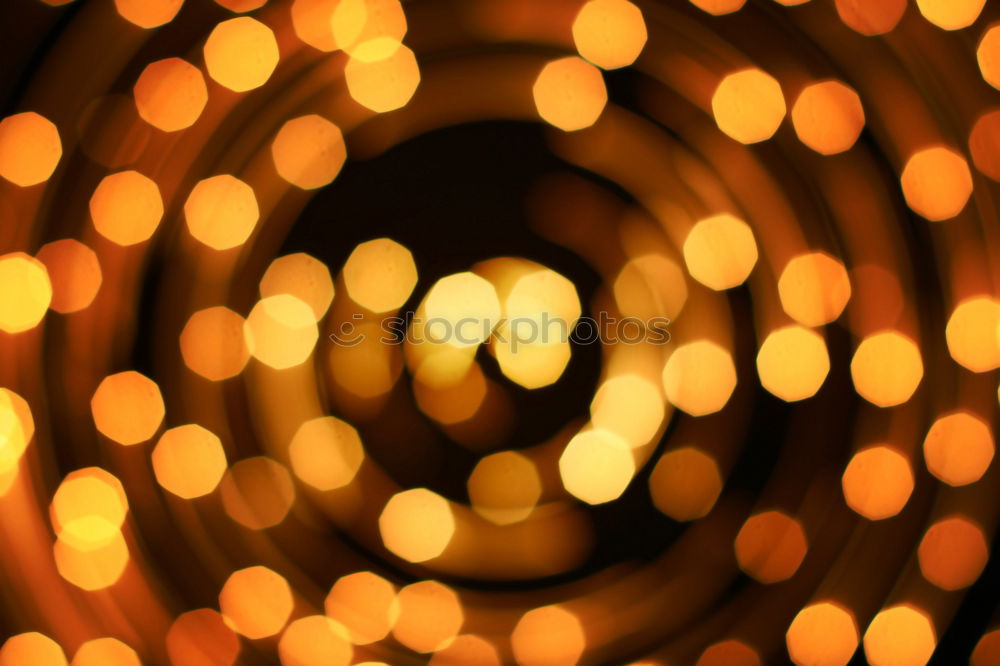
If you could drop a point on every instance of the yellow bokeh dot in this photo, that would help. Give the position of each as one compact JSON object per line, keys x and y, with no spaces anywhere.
{"x":326,"y":453}
{"x":170,"y":94}
{"x":309,"y":151}
{"x":221,"y":212}
{"x":385,"y":83}
{"x":189,"y":461}
{"x":878,"y":482}
{"x":312,"y":22}
{"x":814,"y":288}
{"x":793,"y":362}
{"x":75,"y":273}
{"x":936,"y":183}
{"x":105,"y":652}
{"x":596,"y":466}
{"x":212,"y":343}
{"x":30,"y":148}
{"x":148,"y":13}
{"x":504,"y":487}
{"x":126,"y":208}
{"x":548,"y":635}
{"x":430,"y":616}
{"x":609,"y":33}
{"x":823,"y":633}
{"x":828,"y":117}
{"x":17,"y":427}
{"x":89,"y":493}
{"x":887,"y":368}
{"x":748,"y":105}
{"x":570,"y":94}
{"x":988,"y":55}
{"x":281,"y":331}
{"x":417,"y":524}
{"x":380,"y":275}
{"x":302,"y":276}
{"x":359,"y":22}
{"x":314,"y":640}
{"x":973,"y":333}
{"x":365,"y":604}
{"x":951,"y":14}
{"x":31,"y":648}
{"x":630,"y":406}
{"x":719,"y":7}
{"x":241,"y":54}
{"x":699,"y":377}
{"x":91,"y":564}
{"x":25,"y":292}
{"x":901,"y":634}
{"x":720,"y":251}
{"x":127,"y":407}
{"x":256,"y":602}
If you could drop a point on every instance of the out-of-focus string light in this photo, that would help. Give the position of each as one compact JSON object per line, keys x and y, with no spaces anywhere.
{"x":430,"y":616}
{"x":504,"y":487}
{"x":887,"y":368}
{"x":902,"y":634}
{"x":365,"y":604}
{"x":17,"y":427}
{"x":281,"y":331}
{"x":302,"y":276}
{"x":30,"y":148}
{"x":958,"y":448}
{"x":609,"y":33}
{"x":202,"y":638}
{"x":822,"y":633}
{"x":719,"y":7}
{"x":548,"y":635}
{"x":241,"y":54}
{"x":597,"y":466}
{"x":127,"y":407}
{"x":309,"y":151}
{"x":189,"y":461}
{"x":988,"y":55}
{"x":256,"y":602}
{"x":221,"y":212}
{"x":126,"y":207}
{"x":748,"y":105}
{"x":871,"y":17}
{"x":729,"y":653}
{"x":685,"y":483}
{"x":241,"y":6}
{"x":326,"y":453}
{"x":212,"y":343}
{"x":570,"y":94}
{"x":793,"y":362}
{"x":936,"y":183}
{"x":148,"y":13}
{"x":770,"y":546}
{"x":257,"y":492}
{"x":383,"y":76}
{"x":170,"y":94}
{"x":951,"y":14}
{"x":828,"y":117}
{"x":417,"y":524}
{"x":953,"y":553}
{"x":380,"y":275}
{"x":31,"y":648}
{"x":878,"y":482}
{"x":312,"y":23}
{"x":720,"y":251}
{"x":699,"y":377}
{"x":356,"y":22}
{"x":971,"y":333}
{"x":75,"y":273}
{"x":814,"y":288}
{"x":105,"y":652}
{"x":27,"y":292}
{"x":315,"y":639}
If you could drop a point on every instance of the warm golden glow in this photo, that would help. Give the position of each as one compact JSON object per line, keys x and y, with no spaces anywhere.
{"x":326,"y":453}
{"x":973,"y":334}
{"x":380,"y":275}
{"x":312,"y":22}
{"x":17,"y":427}
{"x":315,"y":640}
{"x":241,"y":54}
{"x":148,"y":13}
{"x":281,"y":331}
{"x":720,"y":251}
{"x":75,"y":274}
{"x":189,"y":461}
{"x":212,"y":343}
{"x":548,"y":635}
{"x":88,"y":563}
{"x":256,"y":602}
{"x":729,"y":653}
{"x":454,"y":403}
{"x":878,"y":482}
{"x":202,"y":638}
{"x":719,"y":7}
{"x":685,"y":483}
{"x":959,"y":448}
{"x":651,"y":286}
{"x":170,"y":94}
{"x":570,"y":94}
{"x":984,"y":144}
{"x":309,"y":151}
{"x":987,"y":652}
{"x":793,"y":362}
{"x":359,"y":22}
{"x":461,"y":310}
{"x":26,"y":293}
{"x":609,"y":33}
{"x":257,"y":492}
{"x":828,"y":117}
{"x":748,"y":105}
{"x":31,"y":648}
{"x":302,"y":276}
{"x":936,"y":183}
{"x":887,"y":368}
{"x":596,"y":466}
{"x":951,"y":14}
{"x":900,"y":636}
{"x":83,"y":496}
{"x":30,"y":149}
{"x":126,"y":208}
{"x":127,"y":408}
{"x":382,"y":84}
{"x":464,"y":650}
{"x":417,"y":524}
{"x":814,"y":288}
{"x":699,"y":377}
{"x":871,"y":17}
{"x":365,"y":604}
{"x":430,"y":616}
{"x":221,"y":212}
{"x":770,"y":546}
{"x":105,"y":652}
{"x":953,"y":553}
{"x":504,"y":487}
{"x":822,"y":634}
{"x":240,"y":6}
{"x":988,"y":56}
{"x":630,"y":406}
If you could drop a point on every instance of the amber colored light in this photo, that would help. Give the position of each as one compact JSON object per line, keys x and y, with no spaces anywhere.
{"x":814,"y":288}
{"x":88,"y":493}
{"x":748,"y":105}
{"x":504,"y":487}
{"x":900,"y":636}
{"x":31,"y":648}
{"x":630,"y":406}
{"x":720,"y":251}
{"x":127,"y":407}
{"x":651,"y":286}
{"x":383,"y":84}
{"x":202,"y":638}
{"x":170,"y":94}
{"x":953,"y":553}
{"x":455,"y":403}
{"x":148,"y":13}
{"x":596,"y":466}
{"x":240,"y":6}
{"x":26,"y":293}
{"x":17,"y":427}
{"x":309,"y":151}
{"x":984,"y":144}
{"x":126,"y":208}
{"x":314,"y":640}
{"x":609,"y":33}
{"x":257,"y":492}
{"x":30,"y":148}
{"x":281,"y":331}
{"x":770,"y":546}
{"x":699,"y":377}
{"x":357,"y":22}
{"x":461,"y":310}
{"x":105,"y":652}
{"x":569,"y":94}
{"x":936,"y":183}
{"x":719,"y":7}
{"x":212,"y":343}
{"x":972,"y":333}
{"x":878,"y":482}
{"x":241,"y":54}
{"x":416,"y":524}
{"x":221,"y":212}
{"x":90,"y":564}
{"x":685,"y":483}
{"x":729,"y":653}
{"x":75,"y":274}
{"x":828,"y":117}
{"x":312,"y":22}
{"x":380,"y":275}
{"x":822,"y":634}
{"x":256,"y":602}
{"x":365,"y":604}
{"x":871,"y":17}
{"x":987,"y":652}
{"x":301,"y":276}
{"x":531,"y":364}
{"x":959,"y":448}
{"x":951,"y":14}
{"x":793,"y":362}
{"x":548,"y":635}
{"x":464,"y":650}
{"x":887,"y":368}
{"x":988,"y":55}
{"x":326,"y":453}
{"x":430,"y":616}
{"x":189,"y":461}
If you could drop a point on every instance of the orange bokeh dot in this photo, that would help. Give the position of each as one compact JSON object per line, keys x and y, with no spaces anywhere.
{"x":170,"y":94}
{"x":358,"y":22}
{"x":973,"y":333}
{"x":241,"y":54}
{"x":984,"y":144}
{"x":221,"y":212}
{"x":748,"y":105}
{"x":384,"y":83}
{"x":454,"y":403}
{"x":793,"y":362}
{"x":548,"y":635}
{"x":729,"y":653}
{"x":887,"y":368}
{"x":31,"y":648}
{"x":90,"y":564}
{"x":430,"y":616}
{"x":953,"y":553}
{"x":85,"y":494}
{"x":326,"y":453}
{"x":148,"y":13}
{"x":651,"y":286}
{"x":629,"y":405}
{"x":987,"y":652}
{"x":569,"y":93}
{"x":988,"y":55}
{"x":127,"y":407}
{"x":609,"y":33}
{"x":302,"y":276}
{"x":699,"y":377}
{"x":465,"y":650}
{"x":959,"y":448}
{"x":719,"y":7}
{"x":189,"y":461}
{"x":314,"y":640}
{"x":281,"y":331}
{"x":877,"y":482}
{"x":75,"y":273}
{"x":312,"y":21}
{"x":417,"y":524}
{"x":309,"y":151}
{"x":212,"y":343}
{"x":936,"y":183}
{"x":380,"y":275}
{"x":240,"y":6}
{"x":126,"y":208}
{"x":951,"y":14}
{"x":257,"y":492}
{"x":365,"y":604}
{"x":504,"y":487}
{"x":828,"y":117}
{"x":17,"y":427}
{"x":685,"y":483}
{"x":105,"y":652}
{"x":202,"y":638}
{"x":26,"y":293}
{"x":720,"y":251}
{"x":30,"y":148}
{"x":256,"y":602}
{"x":822,"y":634}
{"x":814,"y":288}
{"x":900,"y":636}
{"x":871,"y":17}
{"x":770,"y":546}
